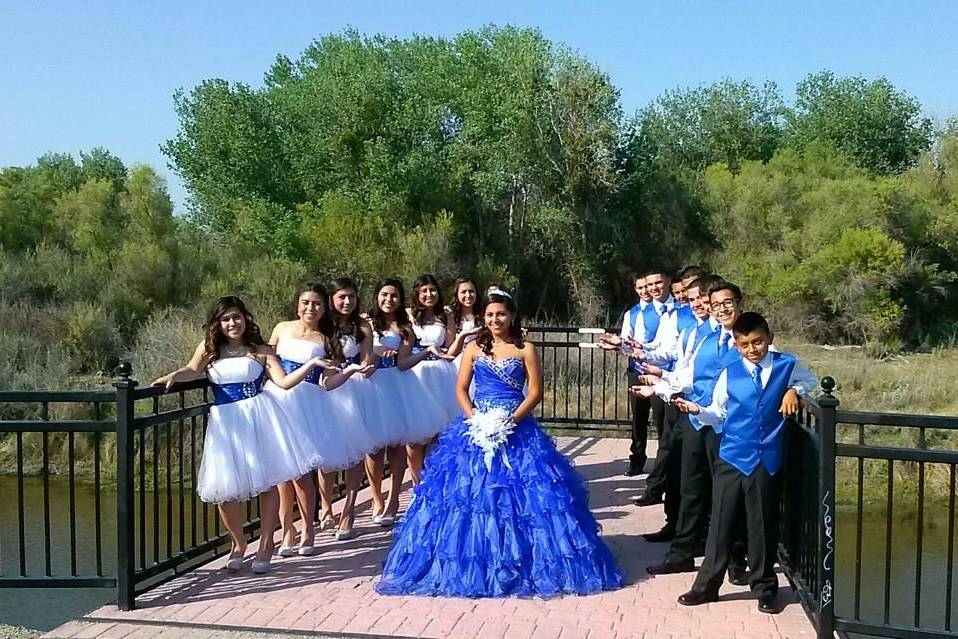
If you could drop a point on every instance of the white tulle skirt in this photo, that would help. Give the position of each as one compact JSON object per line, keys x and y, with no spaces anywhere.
{"x":250,"y":446}
{"x":330,"y":419}
{"x":437,"y":404}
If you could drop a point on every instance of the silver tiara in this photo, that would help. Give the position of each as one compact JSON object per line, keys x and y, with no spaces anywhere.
{"x":498,"y":291}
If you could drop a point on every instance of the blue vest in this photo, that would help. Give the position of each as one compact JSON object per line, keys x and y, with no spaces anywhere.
{"x":752,"y":432}
{"x":651,"y":320}
{"x":686,"y":318}
{"x":696,"y":333}
{"x":632,"y":317}
{"x":706,"y":368}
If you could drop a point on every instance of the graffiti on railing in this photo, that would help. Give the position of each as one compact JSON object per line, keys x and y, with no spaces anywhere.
{"x":829,"y":550}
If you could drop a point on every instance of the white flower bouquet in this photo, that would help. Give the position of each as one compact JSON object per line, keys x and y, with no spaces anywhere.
{"x":489,"y":430}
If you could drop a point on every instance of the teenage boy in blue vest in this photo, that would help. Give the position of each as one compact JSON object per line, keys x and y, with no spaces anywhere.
{"x":751,"y":401}
{"x":649,"y":323}
{"x":633,"y":329}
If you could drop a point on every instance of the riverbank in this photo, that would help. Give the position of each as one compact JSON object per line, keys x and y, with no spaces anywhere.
{"x":15,"y":632}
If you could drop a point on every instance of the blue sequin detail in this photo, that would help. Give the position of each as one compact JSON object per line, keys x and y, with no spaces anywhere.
{"x":386,"y":362}
{"x":429,"y":358}
{"x":237,"y":391}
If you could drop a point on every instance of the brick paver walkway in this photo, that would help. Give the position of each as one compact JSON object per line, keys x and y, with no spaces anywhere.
{"x":332,"y":593}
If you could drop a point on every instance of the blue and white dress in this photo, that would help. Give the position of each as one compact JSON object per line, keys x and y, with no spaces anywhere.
{"x":251,"y":442}
{"x":520,"y":526}
{"x":438,"y":379}
{"x":328,"y":418}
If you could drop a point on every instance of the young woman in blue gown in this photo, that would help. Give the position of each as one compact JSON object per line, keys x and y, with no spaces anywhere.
{"x":499,"y":511}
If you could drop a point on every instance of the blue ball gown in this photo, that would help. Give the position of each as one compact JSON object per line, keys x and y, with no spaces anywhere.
{"x":520,"y":527}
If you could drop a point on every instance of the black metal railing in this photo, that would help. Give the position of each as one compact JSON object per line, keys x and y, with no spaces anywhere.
{"x":585,"y":388}
{"x":896,"y":541}
{"x":44,"y":538}
{"x":867,"y":532}
{"x":144,"y":523}
{"x":807,"y":516}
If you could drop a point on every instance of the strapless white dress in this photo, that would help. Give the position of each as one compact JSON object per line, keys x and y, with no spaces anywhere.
{"x":465,"y":325}
{"x":375,"y":433}
{"x":438,"y":380}
{"x":251,"y":442}
{"x":324,"y":416}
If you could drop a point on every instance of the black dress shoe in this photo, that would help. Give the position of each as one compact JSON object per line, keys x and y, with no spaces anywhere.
{"x":692,"y":598}
{"x":635,"y":469}
{"x":665,"y":534}
{"x":671,"y":567}
{"x":646,"y":498}
{"x":769,"y":604}
{"x":737,"y":576}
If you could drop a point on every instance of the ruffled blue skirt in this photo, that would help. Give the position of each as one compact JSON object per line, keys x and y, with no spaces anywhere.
{"x":522,"y":528}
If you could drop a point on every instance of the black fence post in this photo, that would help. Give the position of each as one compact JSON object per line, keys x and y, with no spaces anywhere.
{"x":826,"y":501}
{"x":125,"y":545}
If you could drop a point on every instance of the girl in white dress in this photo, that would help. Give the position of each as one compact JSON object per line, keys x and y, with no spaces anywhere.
{"x":320,"y":412}
{"x":352,"y":342}
{"x":399,"y":400}
{"x":250,"y":444}
{"x":462,"y":314}
{"x":436,"y":372}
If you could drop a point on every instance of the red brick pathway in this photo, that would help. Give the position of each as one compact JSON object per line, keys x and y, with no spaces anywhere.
{"x":332,"y":593}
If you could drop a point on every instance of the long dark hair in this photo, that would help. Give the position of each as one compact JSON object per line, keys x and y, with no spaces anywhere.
{"x":418,"y":310}
{"x":214,"y":338}
{"x":484,"y":338}
{"x":325,"y":322}
{"x":454,"y":304}
{"x":380,"y":325}
{"x":344,"y":325}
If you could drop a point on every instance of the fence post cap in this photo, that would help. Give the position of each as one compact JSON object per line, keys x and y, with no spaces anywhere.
{"x":123,"y":375}
{"x":828,"y":399}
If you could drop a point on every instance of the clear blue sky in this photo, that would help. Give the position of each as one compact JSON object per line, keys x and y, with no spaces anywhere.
{"x":76,"y":75}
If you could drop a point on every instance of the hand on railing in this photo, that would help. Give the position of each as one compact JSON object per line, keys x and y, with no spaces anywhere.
{"x":790,"y":403}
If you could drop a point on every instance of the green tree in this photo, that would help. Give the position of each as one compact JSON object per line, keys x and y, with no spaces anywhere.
{"x":877,"y":126}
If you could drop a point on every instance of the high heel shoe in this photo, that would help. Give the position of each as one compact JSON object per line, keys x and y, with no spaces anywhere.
{"x":343,"y":535}
{"x":234,"y":564}
{"x":306,"y":551}
{"x":286,"y":551}
{"x":260,"y":566}
{"x":326,"y":522}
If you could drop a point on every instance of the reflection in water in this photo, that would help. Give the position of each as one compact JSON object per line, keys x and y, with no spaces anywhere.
{"x":902,"y":568}
{"x":46,"y":608}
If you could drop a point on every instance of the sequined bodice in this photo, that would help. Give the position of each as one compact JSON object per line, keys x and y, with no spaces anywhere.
{"x":499,"y":382}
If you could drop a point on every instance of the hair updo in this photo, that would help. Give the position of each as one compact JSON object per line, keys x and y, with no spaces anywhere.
{"x":484,"y":338}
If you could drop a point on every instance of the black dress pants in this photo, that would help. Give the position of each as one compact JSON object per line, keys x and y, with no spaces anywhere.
{"x":640,"y":425}
{"x":698,"y":451}
{"x":759,"y":494}
{"x":666,"y":473}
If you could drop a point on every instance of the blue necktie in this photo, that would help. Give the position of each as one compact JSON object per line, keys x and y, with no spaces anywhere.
{"x":724,"y":344}
{"x":757,"y":377}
